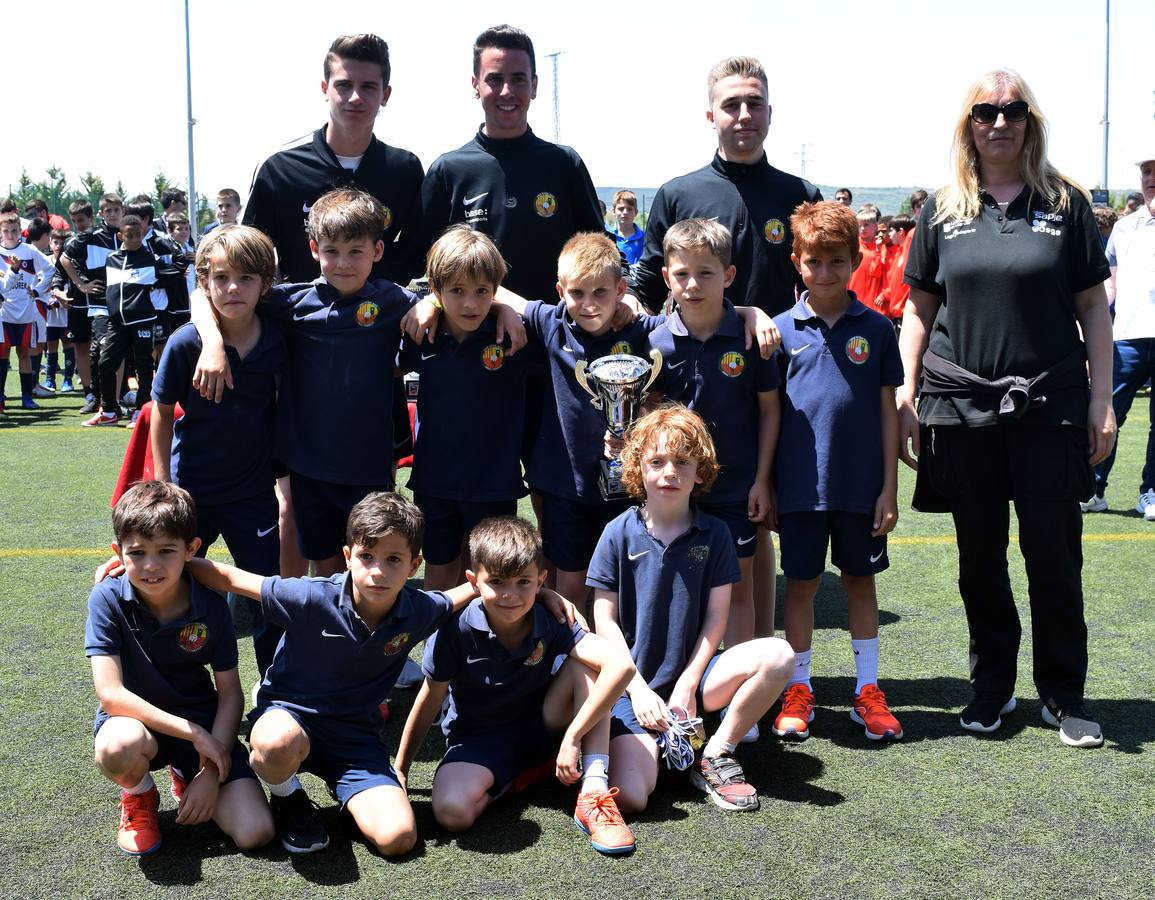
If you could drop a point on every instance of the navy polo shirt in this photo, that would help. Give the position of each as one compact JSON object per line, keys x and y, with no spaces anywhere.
{"x":720,"y":380}
{"x":663,"y":592}
{"x":490,"y":686}
{"x":566,"y":458}
{"x":221,"y":451}
{"x":166,"y":665}
{"x":830,"y":444}
{"x":329,"y":663}
{"x":335,"y":415}
{"x":472,"y":394}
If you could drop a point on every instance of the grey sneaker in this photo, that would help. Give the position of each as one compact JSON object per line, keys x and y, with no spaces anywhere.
{"x":1146,"y":505}
{"x":1076,"y":727}
{"x":1095,"y":504}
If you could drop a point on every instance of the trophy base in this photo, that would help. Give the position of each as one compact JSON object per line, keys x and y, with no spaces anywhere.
{"x":610,"y":480}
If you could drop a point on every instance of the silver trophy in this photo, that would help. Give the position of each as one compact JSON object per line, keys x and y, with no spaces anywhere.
{"x":618,"y":383}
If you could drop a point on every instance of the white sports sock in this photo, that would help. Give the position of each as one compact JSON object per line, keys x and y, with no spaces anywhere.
{"x":716,"y":747}
{"x":284,"y":788}
{"x":146,"y":784}
{"x":865,"y":662}
{"x":595,"y":772}
{"x":801,"y":668}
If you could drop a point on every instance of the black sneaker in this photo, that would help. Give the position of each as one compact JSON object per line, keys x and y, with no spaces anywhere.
{"x":90,"y":406}
{"x":298,"y":825}
{"x":985,"y":713}
{"x":1076,"y":727}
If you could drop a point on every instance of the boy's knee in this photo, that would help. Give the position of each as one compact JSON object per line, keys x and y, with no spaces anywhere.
{"x":254,"y":835}
{"x":776,"y":656}
{"x":277,"y":737}
{"x":454,"y":814}
{"x":632,"y":796}
{"x":120,"y":745}
{"x":396,"y":843}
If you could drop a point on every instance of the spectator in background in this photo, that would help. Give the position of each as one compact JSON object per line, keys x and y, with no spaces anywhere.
{"x":843,"y":196}
{"x":1105,"y":218}
{"x":630,"y":239}
{"x":36,"y":208}
{"x":173,"y":200}
{"x":1134,"y":202}
{"x":228,"y":208}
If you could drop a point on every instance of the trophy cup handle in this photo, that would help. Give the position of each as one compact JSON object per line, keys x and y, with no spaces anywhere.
{"x":656,"y":357}
{"x":580,"y":374}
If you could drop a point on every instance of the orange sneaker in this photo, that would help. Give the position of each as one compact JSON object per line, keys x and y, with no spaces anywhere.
{"x":793,"y":722}
{"x":178,"y":784}
{"x":139,"y":831}
{"x":870,"y":710}
{"x":598,"y":816}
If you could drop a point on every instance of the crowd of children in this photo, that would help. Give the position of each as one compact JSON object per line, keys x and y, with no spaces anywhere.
{"x":738,"y":432}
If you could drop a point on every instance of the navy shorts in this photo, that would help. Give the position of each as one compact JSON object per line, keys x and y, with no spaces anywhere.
{"x":622,"y":718}
{"x":349,"y":758}
{"x":735,"y":513}
{"x":321,"y":510}
{"x":804,"y":536}
{"x":448,"y":522}
{"x":162,"y":327}
{"x":570,"y":529}
{"x":19,"y":335}
{"x":183,"y":756}
{"x":507,"y":751}
{"x":79,"y":325}
{"x":249,"y":529}
{"x":57,"y":333}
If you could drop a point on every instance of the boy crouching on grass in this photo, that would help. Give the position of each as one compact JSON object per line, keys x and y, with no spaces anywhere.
{"x":840,"y":365}
{"x":152,"y":635}
{"x":346,"y":640}
{"x":523,"y":690}
{"x":662,"y":575}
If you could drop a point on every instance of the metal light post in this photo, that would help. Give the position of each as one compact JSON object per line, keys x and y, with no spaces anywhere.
{"x":192,"y":186}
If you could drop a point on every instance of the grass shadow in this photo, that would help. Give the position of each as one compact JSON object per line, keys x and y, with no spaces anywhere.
{"x":179,"y":861}
{"x":830,"y":606}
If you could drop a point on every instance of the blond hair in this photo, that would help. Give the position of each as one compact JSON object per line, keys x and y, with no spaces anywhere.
{"x":699,"y":234}
{"x":735,"y":67}
{"x":464,"y":254}
{"x":959,"y":199}
{"x":590,"y":254}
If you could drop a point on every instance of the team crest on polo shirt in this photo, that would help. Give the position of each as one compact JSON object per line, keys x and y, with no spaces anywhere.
{"x":493,"y":357}
{"x":858,"y":350}
{"x":545,"y":203}
{"x":538,"y":654}
{"x":193,"y":636}
{"x":732,"y":364}
{"x":397,"y":644}
{"x":367,"y":313}
{"x":697,"y":556}
{"x":621,"y":347}
{"x":388,"y":217}
{"x":774,"y":231}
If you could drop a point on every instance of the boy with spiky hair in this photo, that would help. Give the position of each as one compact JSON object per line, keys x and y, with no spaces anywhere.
{"x":526,"y":694}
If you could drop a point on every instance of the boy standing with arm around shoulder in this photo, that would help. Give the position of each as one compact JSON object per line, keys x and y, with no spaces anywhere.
{"x":151,"y":635}
{"x":708,"y":368}
{"x":662,"y":575}
{"x":518,"y":683}
{"x":837,"y":463}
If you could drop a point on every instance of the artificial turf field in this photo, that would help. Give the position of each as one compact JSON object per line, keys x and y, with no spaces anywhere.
{"x":942,"y":813}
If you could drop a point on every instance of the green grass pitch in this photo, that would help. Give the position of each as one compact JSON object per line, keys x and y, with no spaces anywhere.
{"x":941,"y":814}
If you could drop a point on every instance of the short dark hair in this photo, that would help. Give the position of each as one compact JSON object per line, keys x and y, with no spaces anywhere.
{"x":61,"y":234}
{"x":173,"y":195}
{"x":36,"y":203}
{"x":382,"y":513}
{"x":503,"y":37}
{"x":849,"y":194}
{"x":505,"y":545}
{"x":37,"y":228}
{"x":110,"y":198}
{"x":363,"y":48}
{"x":83,"y":207}
{"x":918,"y":198}
{"x":142,"y":209}
{"x":154,"y":508}
{"x":901,"y":222}
{"x":130,"y":220}
{"x":229,"y":193}
{"x":1135,"y":197}
{"x":346,"y":214}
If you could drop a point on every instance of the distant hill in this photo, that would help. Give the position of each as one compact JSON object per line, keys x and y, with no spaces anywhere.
{"x":887,"y":199}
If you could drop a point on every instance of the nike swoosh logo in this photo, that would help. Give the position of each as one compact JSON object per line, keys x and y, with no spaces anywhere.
{"x":874,"y":559}
{"x":743,"y":542}
{"x":470,"y":200}
{"x":567,"y":349}
{"x":425,"y":356}
{"x":266,"y":531}
{"x":306,"y":208}
{"x":634,"y":556}
{"x":470,"y":660}
{"x":798,"y":350}
{"x":325,"y":633}
{"x":675,"y":366}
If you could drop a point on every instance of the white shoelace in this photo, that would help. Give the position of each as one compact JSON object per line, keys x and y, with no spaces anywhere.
{"x":677,"y":742}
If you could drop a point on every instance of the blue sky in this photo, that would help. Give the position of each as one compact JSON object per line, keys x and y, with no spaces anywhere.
{"x":872,"y":89}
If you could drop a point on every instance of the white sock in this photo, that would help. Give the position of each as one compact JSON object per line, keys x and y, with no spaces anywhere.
{"x":715,"y":747}
{"x":595,"y":772}
{"x":284,"y":788}
{"x":146,"y":784}
{"x":801,"y":668}
{"x":865,"y":662}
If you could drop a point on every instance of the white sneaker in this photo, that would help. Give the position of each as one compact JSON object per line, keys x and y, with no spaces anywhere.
{"x":750,"y":736}
{"x":1097,"y":503}
{"x":1146,"y":505}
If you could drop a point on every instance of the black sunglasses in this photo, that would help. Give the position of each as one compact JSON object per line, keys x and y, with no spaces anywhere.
{"x":988,"y":113}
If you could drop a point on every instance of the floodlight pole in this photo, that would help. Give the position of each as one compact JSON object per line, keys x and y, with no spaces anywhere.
{"x":556,"y":101}
{"x":192,"y":185}
{"x":1106,"y":97}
